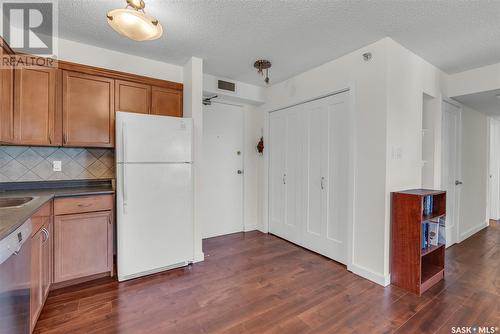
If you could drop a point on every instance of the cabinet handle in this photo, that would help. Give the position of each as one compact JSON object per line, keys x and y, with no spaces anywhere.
{"x":322,"y":182}
{"x":109,"y":220}
{"x":50,"y":138}
{"x":46,"y":233}
{"x":84,"y":205}
{"x":64,"y":138}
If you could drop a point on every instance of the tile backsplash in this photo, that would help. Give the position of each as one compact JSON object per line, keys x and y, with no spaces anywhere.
{"x":30,"y":163}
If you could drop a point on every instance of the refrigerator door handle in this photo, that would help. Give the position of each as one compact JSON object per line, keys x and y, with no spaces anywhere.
{"x":124,"y":150}
{"x":124,"y":189}
{"x":124,"y":141}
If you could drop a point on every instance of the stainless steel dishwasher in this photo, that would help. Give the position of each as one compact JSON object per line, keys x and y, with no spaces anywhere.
{"x":15,"y":269}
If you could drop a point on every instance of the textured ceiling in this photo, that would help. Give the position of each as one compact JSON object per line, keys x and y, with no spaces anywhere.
{"x":485,"y":102}
{"x":295,"y":35}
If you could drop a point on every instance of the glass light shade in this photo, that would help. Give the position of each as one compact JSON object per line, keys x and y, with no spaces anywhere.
{"x":134,"y":24}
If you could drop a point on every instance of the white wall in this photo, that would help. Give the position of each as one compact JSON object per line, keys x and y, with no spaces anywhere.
{"x":475,"y":173}
{"x":95,"y":56}
{"x":474,"y":81}
{"x":409,"y":78}
{"x":388,"y":104}
{"x":244,"y":93}
{"x":252,"y":162}
{"x":368,"y":83}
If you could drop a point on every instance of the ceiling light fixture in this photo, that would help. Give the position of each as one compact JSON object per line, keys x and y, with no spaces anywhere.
{"x":134,"y":23}
{"x":263,"y":65}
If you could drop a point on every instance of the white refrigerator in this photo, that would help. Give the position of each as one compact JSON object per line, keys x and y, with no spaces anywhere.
{"x":154,"y":193}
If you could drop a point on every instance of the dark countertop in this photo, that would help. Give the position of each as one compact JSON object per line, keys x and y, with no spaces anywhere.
{"x":12,"y":218}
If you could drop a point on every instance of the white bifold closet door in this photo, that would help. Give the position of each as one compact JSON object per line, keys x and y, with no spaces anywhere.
{"x":285,"y":174}
{"x":309,"y":175}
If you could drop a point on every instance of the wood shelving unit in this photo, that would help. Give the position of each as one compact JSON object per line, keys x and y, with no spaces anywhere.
{"x":414,"y":268}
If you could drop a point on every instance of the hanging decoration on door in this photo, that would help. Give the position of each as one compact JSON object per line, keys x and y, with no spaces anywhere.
{"x":260,"y":146}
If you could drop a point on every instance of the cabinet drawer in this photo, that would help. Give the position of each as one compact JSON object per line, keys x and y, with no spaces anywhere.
{"x":64,"y":206}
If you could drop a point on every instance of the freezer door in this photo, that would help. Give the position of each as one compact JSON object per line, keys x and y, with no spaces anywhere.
{"x":149,"y":138}
{"x":154,"y":218}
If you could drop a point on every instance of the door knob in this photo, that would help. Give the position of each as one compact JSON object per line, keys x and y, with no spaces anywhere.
{"x":240,"y":171}
{"x":457,"y":183}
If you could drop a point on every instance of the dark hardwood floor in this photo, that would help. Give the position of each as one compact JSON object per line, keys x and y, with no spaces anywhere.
{"x":257,"y":283}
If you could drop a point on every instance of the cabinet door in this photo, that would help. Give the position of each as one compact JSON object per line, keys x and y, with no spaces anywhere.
{"x":46,"y":260}
{"x":166,"y":102}
{"x":88,"y":110}
{"x":36,"y":297}
{"x":82,"y":245}
{"x":6,"y":102}
{"x":132,"y":97}
{"x":35,"y":106}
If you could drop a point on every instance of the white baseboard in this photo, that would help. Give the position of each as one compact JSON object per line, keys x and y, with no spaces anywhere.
{"x":370,"y":275}
{"x":473,"y":230}
{"x":250,"y":227}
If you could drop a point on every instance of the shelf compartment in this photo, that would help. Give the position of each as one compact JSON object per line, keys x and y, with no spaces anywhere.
{"x":430,"y":249}
{"x":431,"y":274}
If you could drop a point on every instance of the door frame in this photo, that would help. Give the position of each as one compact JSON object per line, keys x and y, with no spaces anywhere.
{"x":243,"y":155}
{"x":458,"y":191}
{"x":351,"y":90}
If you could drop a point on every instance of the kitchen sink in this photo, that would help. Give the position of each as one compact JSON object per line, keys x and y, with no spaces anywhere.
{"x":14,"y":202}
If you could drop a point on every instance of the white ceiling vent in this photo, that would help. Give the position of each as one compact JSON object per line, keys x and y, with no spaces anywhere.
{"x":226,"y":86}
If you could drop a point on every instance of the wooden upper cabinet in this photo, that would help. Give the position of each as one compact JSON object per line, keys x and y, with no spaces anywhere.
{"x":166,"y":102}
{"x":132,"y":97}
{"x":6,"y":101}
{"x":35,"y":116}
{"x":88,"y":110}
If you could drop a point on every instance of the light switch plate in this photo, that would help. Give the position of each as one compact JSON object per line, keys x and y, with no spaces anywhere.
{"x":56,"y":166}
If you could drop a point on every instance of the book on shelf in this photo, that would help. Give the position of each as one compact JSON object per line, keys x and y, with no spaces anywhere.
{"x":442,"y":231}
{"x":428,"y":205}
{"x":424,"y":235}
{"x":433,"y":234}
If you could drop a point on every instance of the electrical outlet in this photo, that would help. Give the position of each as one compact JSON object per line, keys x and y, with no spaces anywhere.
{"x":56,"y":166}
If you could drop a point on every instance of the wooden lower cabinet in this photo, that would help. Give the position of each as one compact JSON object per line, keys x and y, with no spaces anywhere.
{"x":82,"y":245}
{"x":72,"y":240}
{"x":41,"y":268}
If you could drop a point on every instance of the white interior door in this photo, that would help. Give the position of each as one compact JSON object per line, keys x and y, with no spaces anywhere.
{"x":451,"y":173}
{"x":222,"y":170}
{"x":494,"y":186}
{"x":309,"y":175}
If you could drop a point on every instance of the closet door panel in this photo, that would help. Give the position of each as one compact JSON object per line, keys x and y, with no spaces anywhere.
{"x":314,"y":170}
{"x":293,"y":160}
{"x":338,"y":177}
{"x":277,"y":177}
